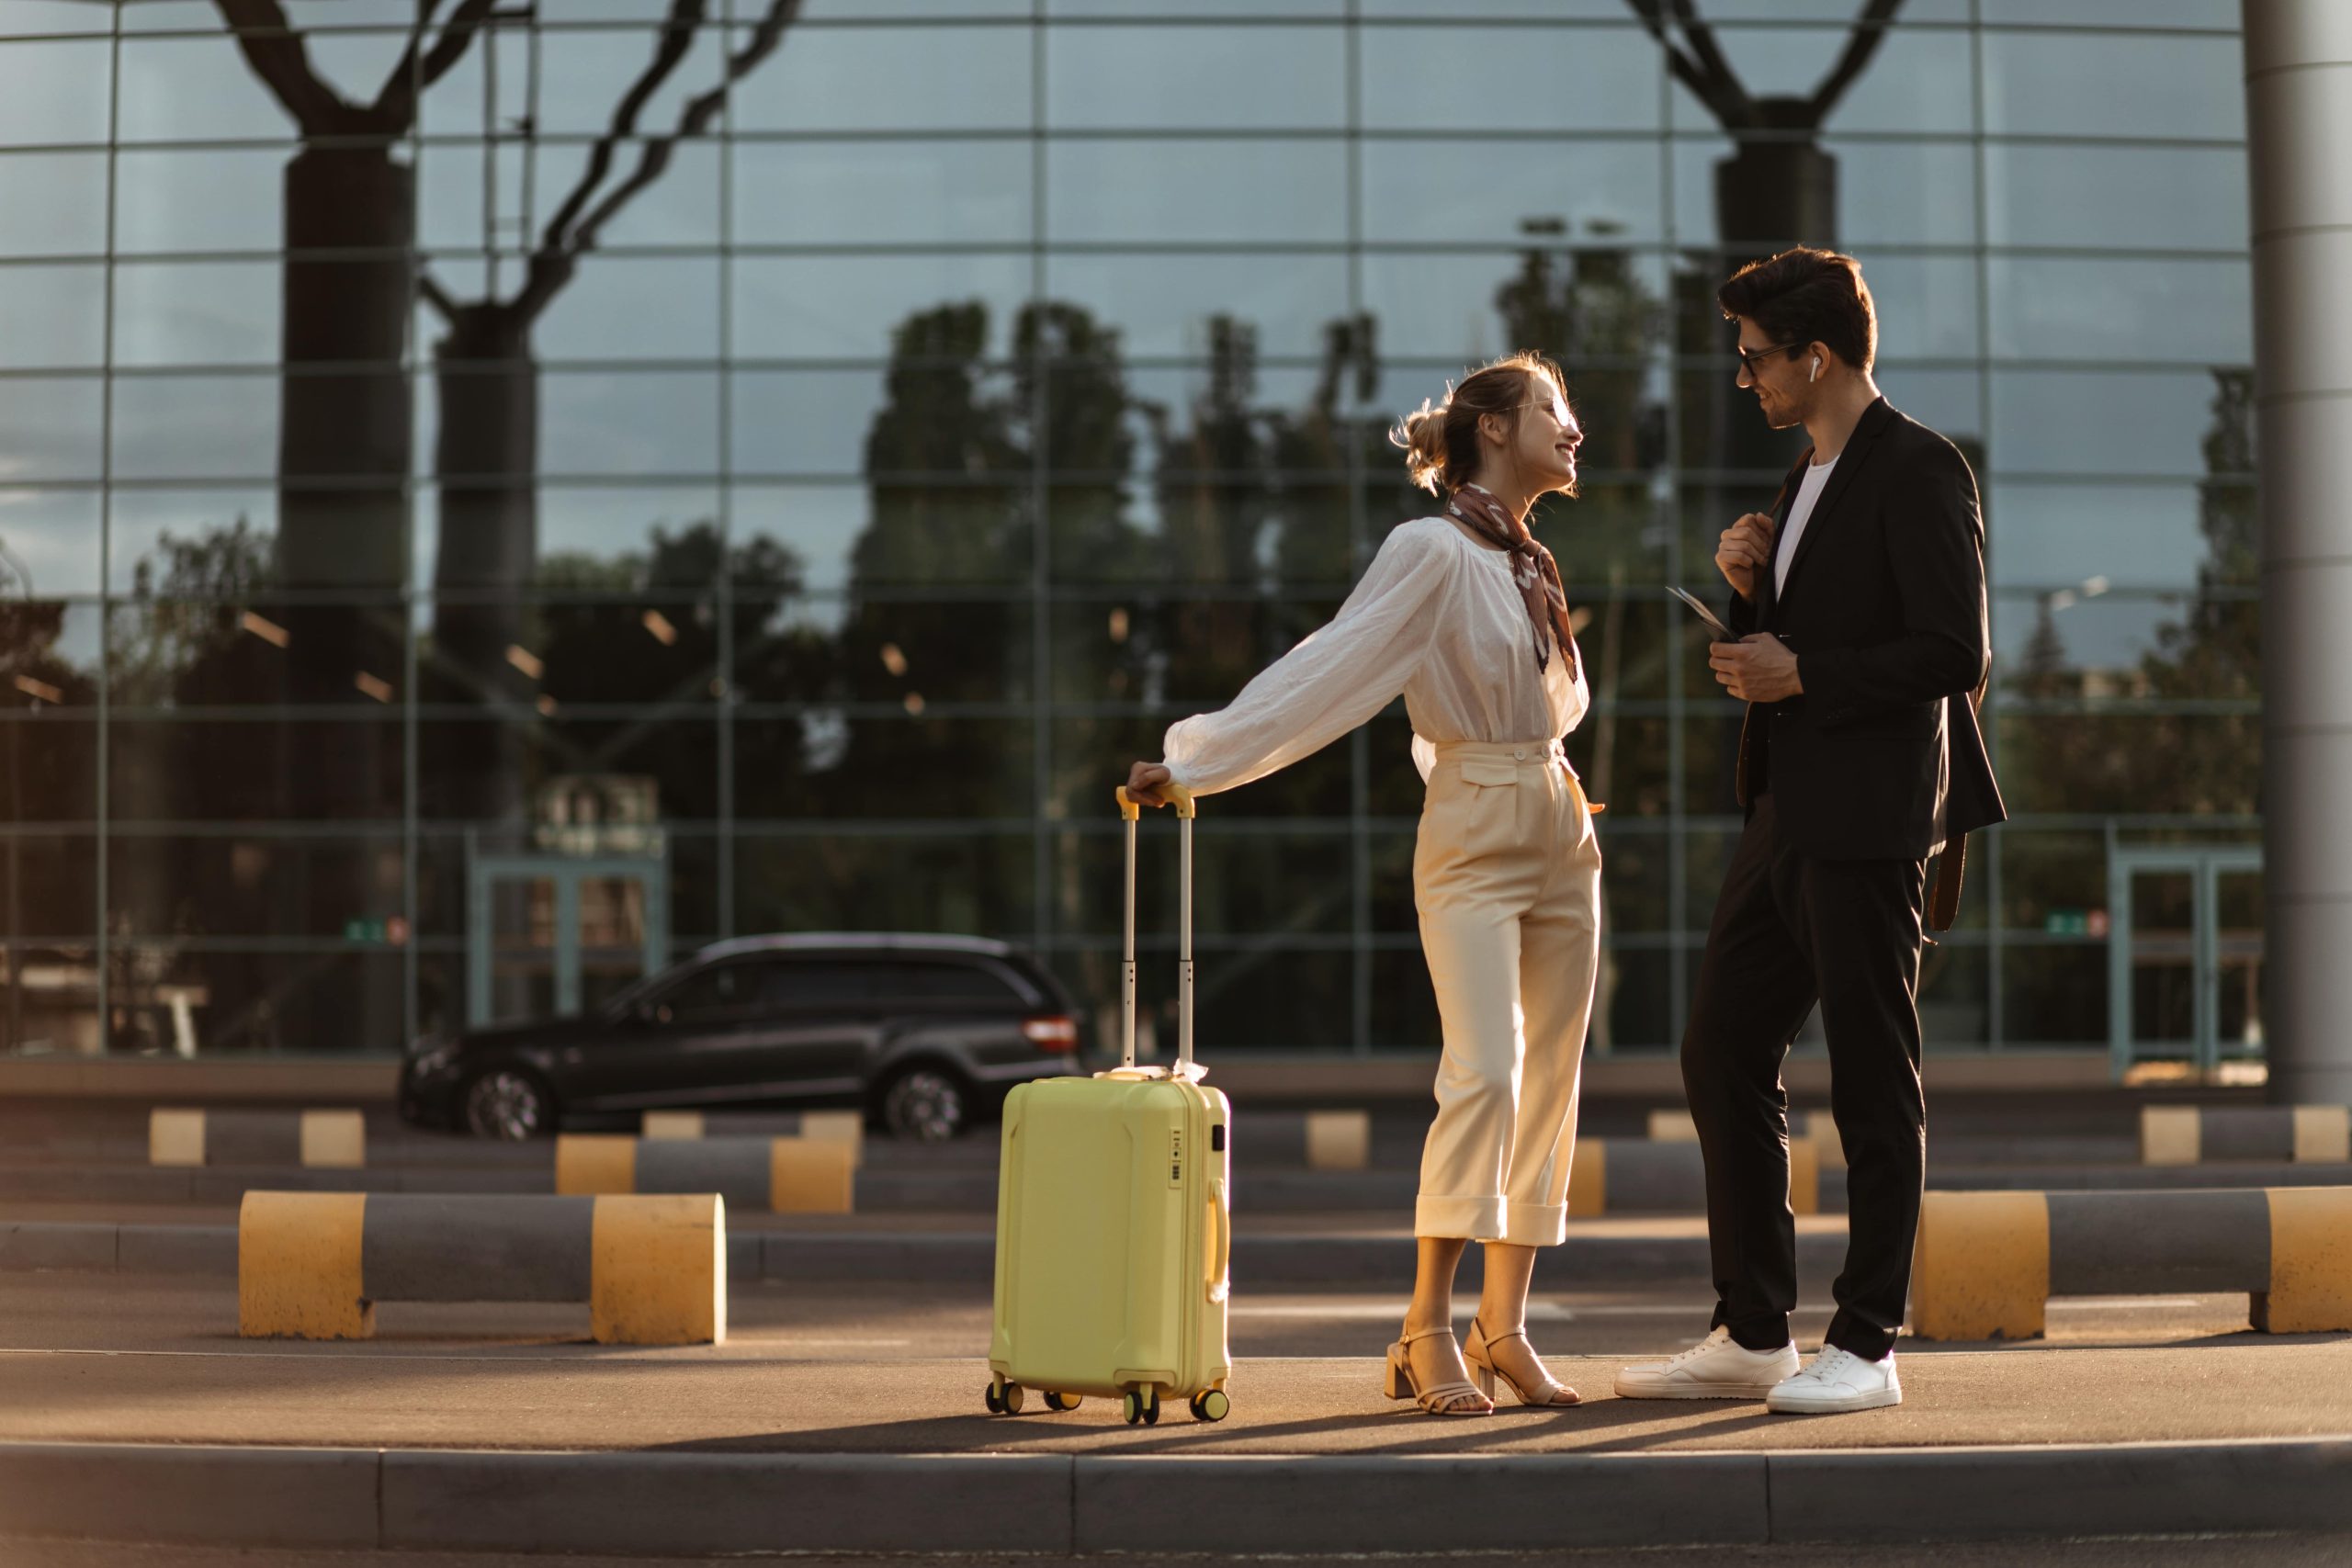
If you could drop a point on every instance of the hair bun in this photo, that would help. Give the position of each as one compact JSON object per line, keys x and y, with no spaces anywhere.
{"x":1422,"y":435}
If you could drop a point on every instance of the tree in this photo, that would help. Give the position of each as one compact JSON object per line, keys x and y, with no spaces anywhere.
{"x":486,"y":460}
{"x":344,"y":436}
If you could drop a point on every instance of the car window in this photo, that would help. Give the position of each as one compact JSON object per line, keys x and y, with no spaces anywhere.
{"x":709,"y":993}
{"x":866,"y":983}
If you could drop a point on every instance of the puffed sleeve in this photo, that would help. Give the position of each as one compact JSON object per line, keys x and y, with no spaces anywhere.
{"x":1334,"y":680}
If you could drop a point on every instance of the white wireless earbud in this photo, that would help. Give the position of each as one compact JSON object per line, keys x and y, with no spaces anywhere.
{"x":1815,"y":373}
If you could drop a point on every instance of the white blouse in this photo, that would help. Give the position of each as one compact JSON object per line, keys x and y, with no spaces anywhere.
{"x":1437,"y":617}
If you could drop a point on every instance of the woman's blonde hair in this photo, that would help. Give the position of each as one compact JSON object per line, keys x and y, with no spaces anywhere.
{"x":1440,"y":441}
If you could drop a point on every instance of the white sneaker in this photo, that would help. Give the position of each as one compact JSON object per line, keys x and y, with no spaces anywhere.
{"x":1718,"y":1367}
{"x":1838,"y":1381}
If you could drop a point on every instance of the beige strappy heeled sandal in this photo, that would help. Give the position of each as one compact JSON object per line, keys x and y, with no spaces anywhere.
{"x":1477,"y":1350}
{"x":1446,"y":1398}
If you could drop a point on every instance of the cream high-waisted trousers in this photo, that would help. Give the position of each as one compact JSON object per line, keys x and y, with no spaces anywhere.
{"x":1507,"y":876}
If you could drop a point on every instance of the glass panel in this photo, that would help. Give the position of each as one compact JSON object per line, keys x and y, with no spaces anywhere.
{"x":1916,"y":80}
{"x":1116,"y":78}
{"x":1915,"y":192}
{"x":652,"y":422}
{"x":1164,"y":304}
{"x":320,"y":1002}
{"x":518,"y":192}
{"x":2150,"y":14}
{"x":47,"y":199}
{"x":913,"y":655}
{"x":1955,"y":1010}
{"x":2238,"y":938}
{"x":2054,"y":996}
{"x":849,"y":307}
{"x":963,"y":193}
{"x":613,"y":911}
{"x":1550,"y":78}
{"x":2163,"y":956}
{"x":587,"y":74}
{"x":255,"y":769}
{"x":2106,"y":198}
{"x":2052,"y":882}
{"x":521,"y":941}
{"x":2127,"y":762}
{"x":2148,"y":425}
{"x":212,"y":199}
{"x":53,"y":539}
{"x":2045,"y":82}
{"x":2066,"y":536}
{"x":253,"y":652}
{"x":977,"y":884}
{"x":1404,"y":1007}
{"x":51,"y":317}
{"x":185,"y":312}
{"x":1110,"y":191}
{"x":592,"y":538}
{"x":259,"y":884}
{"x":847,"y":764}
{"x":54,"y":93}
{"x":818,"y":421}
{"x":189,"y":427}
{"x":635,"y":307}
{"x":842,"y":537}
{"x":896,"y":79}
{"x":33,"y":18}
{"x":1522,"y":188}
{"x":473,"y":769}
{"x":2063,"y":309}
{"x":1468,"y":307}
{"x":50,"y":426}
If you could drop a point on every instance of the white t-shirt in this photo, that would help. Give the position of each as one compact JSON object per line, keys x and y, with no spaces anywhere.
{"x":1816,"y":478}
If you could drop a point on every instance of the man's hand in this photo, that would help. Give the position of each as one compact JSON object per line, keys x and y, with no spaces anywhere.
{"x":1144,"y":781}
{"x":1757,"y":669}
{"x":1745,"y":549}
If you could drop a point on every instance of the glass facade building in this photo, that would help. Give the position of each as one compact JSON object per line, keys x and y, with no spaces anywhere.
{"x":491,"y":501}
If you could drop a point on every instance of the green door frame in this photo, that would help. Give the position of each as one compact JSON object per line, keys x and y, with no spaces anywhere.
{"x":2205,"y":865}
{"x":566,"y":872}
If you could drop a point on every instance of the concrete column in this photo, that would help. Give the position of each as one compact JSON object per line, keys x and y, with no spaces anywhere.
{"x":2299,"y":115}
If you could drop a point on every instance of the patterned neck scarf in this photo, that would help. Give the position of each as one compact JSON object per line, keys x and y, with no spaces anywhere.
{"x":1532,"y":568}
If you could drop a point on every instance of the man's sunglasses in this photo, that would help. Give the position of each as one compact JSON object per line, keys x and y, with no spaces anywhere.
{"x":1751,"y":357}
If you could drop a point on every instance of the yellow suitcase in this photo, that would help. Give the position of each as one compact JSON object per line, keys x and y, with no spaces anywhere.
{"x":1114,"y":1221}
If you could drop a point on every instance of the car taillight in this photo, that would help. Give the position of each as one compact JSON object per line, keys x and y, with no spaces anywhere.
{"x":1056,"y":1032}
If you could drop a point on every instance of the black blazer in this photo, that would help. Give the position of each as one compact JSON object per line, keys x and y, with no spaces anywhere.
{"x":1879,"y":756}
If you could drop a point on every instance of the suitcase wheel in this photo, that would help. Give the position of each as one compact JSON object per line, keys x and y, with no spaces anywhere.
{"x":1211,"y":1404}
{"x":1003,"y":1398}
{"x":1141,"y":1405}
{"x":994,"y":1398}
{"x":1061,"y":1400}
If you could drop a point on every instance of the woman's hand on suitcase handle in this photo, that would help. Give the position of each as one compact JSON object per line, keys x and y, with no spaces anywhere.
{"x":1144,"y":782}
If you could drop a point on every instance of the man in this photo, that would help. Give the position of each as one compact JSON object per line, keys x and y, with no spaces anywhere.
{"x":1859,"y":607}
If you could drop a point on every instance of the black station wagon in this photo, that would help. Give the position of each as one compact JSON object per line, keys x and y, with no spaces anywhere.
{"x":925,"y":1034}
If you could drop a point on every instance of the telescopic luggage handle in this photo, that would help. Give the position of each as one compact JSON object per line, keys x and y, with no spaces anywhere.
{"x":1186,"y":810}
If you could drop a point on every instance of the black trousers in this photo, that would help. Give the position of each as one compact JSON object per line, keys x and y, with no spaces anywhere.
{"x":1790,"y":930}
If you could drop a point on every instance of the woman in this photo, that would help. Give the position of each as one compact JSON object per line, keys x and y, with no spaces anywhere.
{"x":1464,"y":614}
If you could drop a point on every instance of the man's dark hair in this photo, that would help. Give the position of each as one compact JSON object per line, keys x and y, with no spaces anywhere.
{"x":1807,"y":296}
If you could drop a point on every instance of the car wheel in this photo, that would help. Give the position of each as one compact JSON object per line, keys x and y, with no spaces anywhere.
{"x":509,"y":1103}
{"x":929,"y":1105}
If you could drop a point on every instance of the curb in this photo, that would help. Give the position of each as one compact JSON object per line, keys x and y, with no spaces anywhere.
{"x":966,"y":1259}
{"x":707,"y":1503}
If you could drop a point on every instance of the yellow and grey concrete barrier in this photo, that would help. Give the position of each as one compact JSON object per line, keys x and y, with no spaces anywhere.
{"x":2279,"y":1135}
{"x":1987,"y":1263}
{"x":833,"y":1126}
{"x":1338,"y":1139}
{"x":314,"y":1265}
{"x":1673,"y":1127}
{"x":783,"y":1176}
{"x":1622,"y":1175}
{"x":317,"y":1139}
